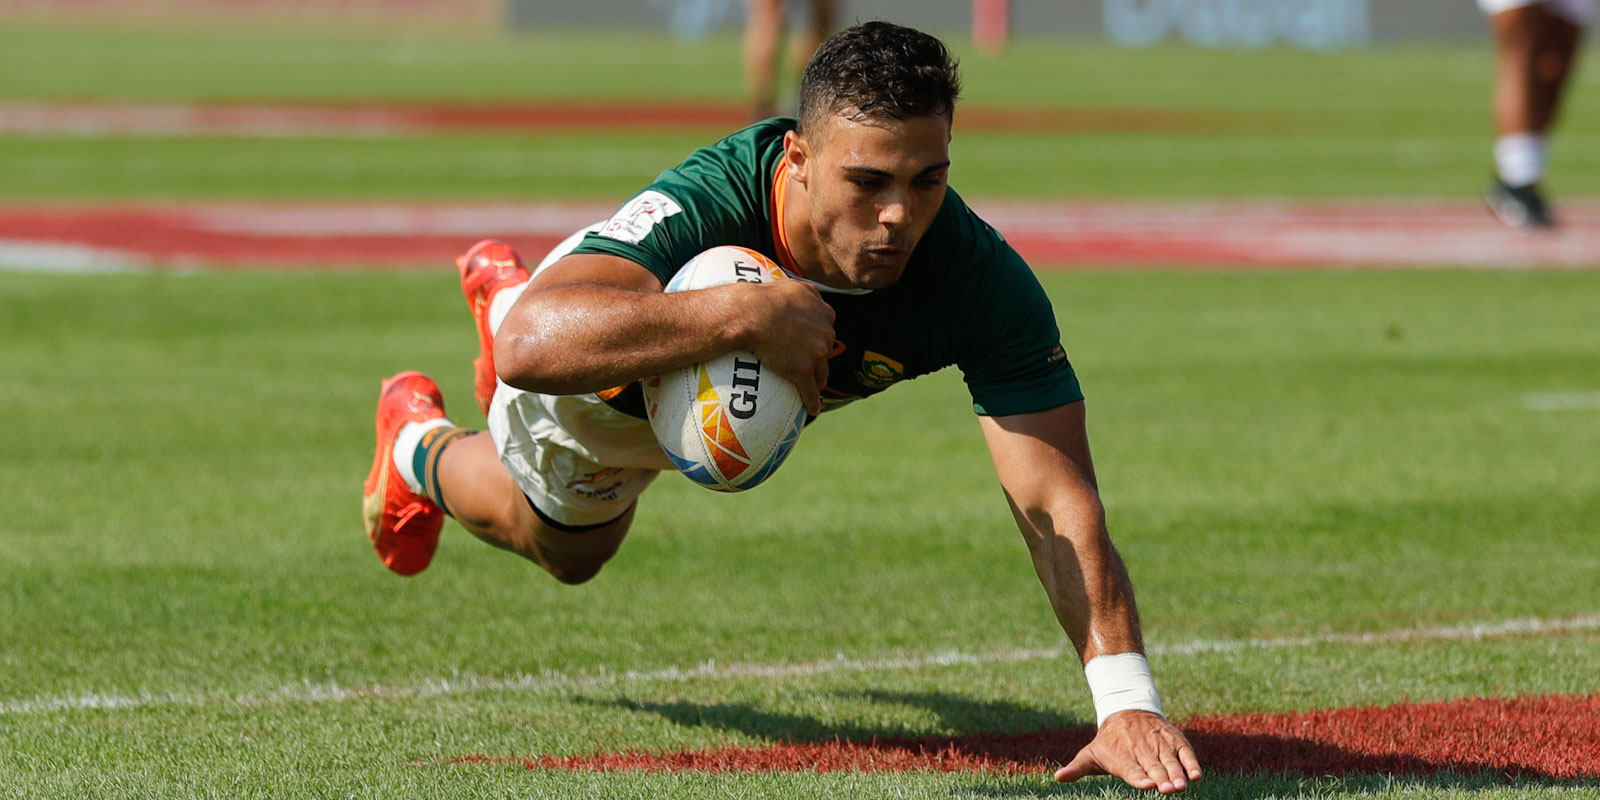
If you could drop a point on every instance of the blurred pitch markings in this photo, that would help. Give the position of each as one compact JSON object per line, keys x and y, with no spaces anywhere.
{"x":1120,"y":234}
{"x":390,"y":120}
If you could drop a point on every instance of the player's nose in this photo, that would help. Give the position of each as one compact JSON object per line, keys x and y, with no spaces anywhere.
{"x":893,"y":213}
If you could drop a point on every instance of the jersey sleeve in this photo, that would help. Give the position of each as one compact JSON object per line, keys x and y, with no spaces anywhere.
{"x":1012,"y":359}
{"x":664,"y":226}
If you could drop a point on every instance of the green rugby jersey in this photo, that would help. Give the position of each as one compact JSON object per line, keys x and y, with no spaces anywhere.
{"x":966,"y":298}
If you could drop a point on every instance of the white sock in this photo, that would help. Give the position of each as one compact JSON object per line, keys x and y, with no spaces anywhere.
{"x":1519,"y":158}
{"x":405,"y":449}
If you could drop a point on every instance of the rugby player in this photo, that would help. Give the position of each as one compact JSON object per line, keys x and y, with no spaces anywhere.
{"x":1536,"y":42}
{"x":897,"y":277}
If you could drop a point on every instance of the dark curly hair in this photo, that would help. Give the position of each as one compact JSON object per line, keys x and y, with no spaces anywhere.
{"x":879,"y":70}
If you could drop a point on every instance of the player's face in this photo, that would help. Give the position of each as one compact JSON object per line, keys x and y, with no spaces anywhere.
{"x":873,"y":187}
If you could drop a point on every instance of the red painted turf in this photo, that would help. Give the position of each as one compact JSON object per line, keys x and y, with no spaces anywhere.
{"x":1056,"y":234}
{"x":1538,"y":737}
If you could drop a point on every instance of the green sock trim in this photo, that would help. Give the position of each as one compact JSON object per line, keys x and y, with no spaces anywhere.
{"x":425,"y":461}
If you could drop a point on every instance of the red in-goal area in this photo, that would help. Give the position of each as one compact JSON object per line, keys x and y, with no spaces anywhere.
{"x":1554,"y":737}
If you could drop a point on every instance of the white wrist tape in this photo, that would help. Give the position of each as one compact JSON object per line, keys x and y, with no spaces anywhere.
{"x":1121,"y":682}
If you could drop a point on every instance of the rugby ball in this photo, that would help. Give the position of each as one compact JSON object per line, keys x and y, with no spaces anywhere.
{"x":726,"y":423}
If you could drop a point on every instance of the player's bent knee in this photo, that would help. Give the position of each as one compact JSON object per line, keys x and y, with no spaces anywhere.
{"x":573,"y":571}
{"x":571,"y":567}
{"x":576,"y":556}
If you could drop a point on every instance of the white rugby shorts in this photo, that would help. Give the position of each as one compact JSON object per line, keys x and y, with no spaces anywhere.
{"x":1578,"y":12}
{"x":579,"y":461}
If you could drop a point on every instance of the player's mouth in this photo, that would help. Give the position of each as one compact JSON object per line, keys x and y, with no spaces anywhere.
{"x":881,"y":268}
{"x":886,"y":255}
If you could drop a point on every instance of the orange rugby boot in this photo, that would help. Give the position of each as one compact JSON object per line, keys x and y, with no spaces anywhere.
{"x":403,"y":525}
{"x":486,"y":268}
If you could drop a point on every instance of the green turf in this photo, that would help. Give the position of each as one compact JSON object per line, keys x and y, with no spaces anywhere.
{"x":591,"y":165}
{"x":1406,"y":121}
{"x":1281,"y":455}
{"x":188,"y":607}
{"x":221,"y":65}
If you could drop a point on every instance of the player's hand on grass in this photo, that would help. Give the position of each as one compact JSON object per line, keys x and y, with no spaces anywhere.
{"x":790,"y":328}
{"x":1141,"y":748}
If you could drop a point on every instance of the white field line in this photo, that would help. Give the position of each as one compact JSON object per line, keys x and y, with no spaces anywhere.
{"x":309,"y":692}
{"x":1561,"y":401}
{"x":20,"y":256}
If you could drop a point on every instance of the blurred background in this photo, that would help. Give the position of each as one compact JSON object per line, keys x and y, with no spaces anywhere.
{"x":1377,"y":110}
{"x":1303,"y":23}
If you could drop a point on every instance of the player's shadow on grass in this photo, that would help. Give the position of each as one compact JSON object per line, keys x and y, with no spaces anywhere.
{"x":1008,"y":738}
{"x":958,"y":713}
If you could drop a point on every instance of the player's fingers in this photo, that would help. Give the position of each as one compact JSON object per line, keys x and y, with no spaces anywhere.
{"x":1138,"y":776}
{"x":810,"y":394}
{"x":1191,"y":762}
{"x":1084,"y":764}
{"x":820,"y":379}
{"x":1174,"y":772}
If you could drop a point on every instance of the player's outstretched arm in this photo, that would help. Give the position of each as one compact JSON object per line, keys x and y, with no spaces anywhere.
{"x":1044,"y":466}
{"x":591,"y":322}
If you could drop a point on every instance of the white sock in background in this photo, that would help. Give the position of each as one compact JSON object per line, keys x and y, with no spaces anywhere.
{"x":1519,"y":158}
{"x":500,"y":305}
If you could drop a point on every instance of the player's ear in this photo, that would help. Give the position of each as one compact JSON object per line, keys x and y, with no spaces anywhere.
{"x":796,"y":155}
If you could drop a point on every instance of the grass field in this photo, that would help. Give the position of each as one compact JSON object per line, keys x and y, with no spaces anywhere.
{"x":188,"y":607}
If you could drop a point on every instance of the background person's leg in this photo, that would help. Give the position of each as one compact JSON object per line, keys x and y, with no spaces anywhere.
{"x":762,"y":31}
{"x":1555,"y":56}
{"x":1534,"y":55}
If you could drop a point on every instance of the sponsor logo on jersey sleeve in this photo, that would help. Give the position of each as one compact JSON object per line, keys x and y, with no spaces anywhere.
{"x":1056,"y":355}
{"x":639,"y":216}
